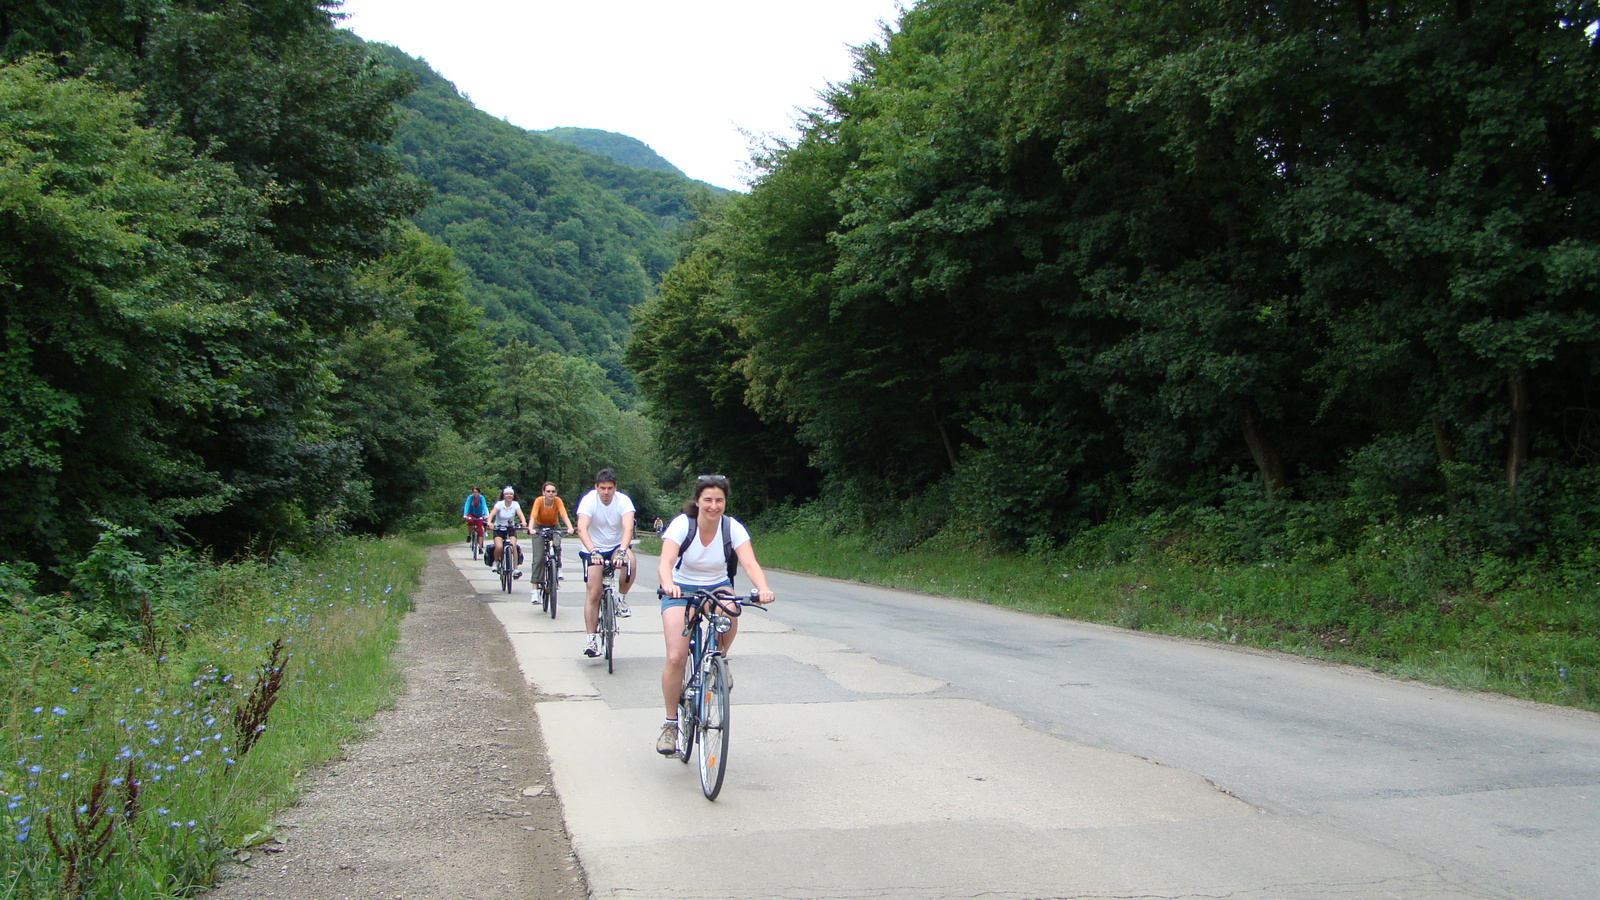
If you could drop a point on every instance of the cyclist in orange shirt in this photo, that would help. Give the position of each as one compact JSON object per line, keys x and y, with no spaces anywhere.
{"x":545,"y":512}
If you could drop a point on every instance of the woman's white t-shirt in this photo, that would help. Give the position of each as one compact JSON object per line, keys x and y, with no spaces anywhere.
{"x":703,"y":565}
{"x":504,"y":516}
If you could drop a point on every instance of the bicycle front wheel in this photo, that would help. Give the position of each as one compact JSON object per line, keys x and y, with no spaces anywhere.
{"x":713,"y":726}
{"x":608,"y":627}
{"x":508,"y":565}
{"x":549,"y":587}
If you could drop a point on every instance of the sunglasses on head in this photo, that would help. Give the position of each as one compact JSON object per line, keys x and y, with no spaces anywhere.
{"x":712,"y":479}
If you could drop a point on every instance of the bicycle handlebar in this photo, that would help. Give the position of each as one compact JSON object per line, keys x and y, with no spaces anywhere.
{"x":702,"y":597}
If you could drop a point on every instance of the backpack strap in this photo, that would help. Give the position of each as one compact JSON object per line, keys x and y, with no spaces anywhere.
{"x":693,"y":526}
{"x":728,"y":555}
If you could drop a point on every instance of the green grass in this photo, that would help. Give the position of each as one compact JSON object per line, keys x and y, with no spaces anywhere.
{"x":1536,"y":637}
{"x":131,"y":754}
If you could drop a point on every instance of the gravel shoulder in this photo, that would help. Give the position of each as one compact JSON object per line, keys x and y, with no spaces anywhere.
{"x":449,"y":796}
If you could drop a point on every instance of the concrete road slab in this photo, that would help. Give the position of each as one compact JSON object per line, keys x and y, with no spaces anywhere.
{"x":931,"y":798}
{"x":1251,"y":859}
{"x":851,"y":777}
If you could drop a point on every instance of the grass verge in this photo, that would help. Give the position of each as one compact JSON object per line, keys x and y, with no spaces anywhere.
{"x":134,"y":765}
{"x":1536,"y":637}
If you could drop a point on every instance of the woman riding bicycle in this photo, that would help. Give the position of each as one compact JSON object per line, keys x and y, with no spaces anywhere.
{"x":546,"y":512}
{"x":505,"y":518}
{"x":475,"y":512}
{"x":702,"y":565}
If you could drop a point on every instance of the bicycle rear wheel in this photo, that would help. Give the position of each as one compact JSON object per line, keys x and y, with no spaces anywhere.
{"x":712,"y":724}
{"x":686,"y":711}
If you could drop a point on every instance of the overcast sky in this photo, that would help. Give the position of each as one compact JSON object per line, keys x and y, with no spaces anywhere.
{"x":690,"y":78}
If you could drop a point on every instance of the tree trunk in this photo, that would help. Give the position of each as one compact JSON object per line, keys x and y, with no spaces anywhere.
{"x":1267,"y":460}
{"x":1363,"y":17}
{"x":1517,"y":452}
{"x":938,"y":422}
{"x":1447,"y":455}
{"x":1441,"y":442}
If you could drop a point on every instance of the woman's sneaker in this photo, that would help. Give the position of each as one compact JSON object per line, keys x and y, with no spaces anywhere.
{"x":622,"y":609}
{"x":591,"y":647}
{"x":667,"y":743}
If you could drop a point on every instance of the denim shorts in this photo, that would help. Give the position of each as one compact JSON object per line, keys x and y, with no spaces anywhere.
{"x":687,"y":589}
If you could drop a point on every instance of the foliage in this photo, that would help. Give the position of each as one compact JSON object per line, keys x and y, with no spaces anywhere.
{"x":628,"y":151}
{"x":551,"y":418}
{"x":688,"y":361}
{"x":557,"y":244}
{"x":178,"y":264}
{"x":125,"y":775}
{"x":1077,"y":261}
{"x":119,"y":333}
{"x":218,"y":330}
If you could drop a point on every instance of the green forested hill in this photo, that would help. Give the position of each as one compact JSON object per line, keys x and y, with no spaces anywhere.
{"x":558,"y":244}
{"x":618,"y":147}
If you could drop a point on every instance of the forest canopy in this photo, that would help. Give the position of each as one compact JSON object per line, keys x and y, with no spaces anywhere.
{"x":1041,"y":263}
{"x":219,"y":330}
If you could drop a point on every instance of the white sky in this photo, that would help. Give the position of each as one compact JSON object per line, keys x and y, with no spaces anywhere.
{"x":697,"y":80}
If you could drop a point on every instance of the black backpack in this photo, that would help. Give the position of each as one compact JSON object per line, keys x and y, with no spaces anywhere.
{"x":728,"y":553}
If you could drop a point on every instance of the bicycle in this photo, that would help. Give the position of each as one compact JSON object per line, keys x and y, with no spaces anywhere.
{"x":550,"y":580}
{"x":475,"y":535}
{"x":704,"y":701}
{"x":505,"y":563}
{"x":607,"y":627}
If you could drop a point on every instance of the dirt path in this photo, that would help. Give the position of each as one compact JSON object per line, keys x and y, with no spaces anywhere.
{"x":434,"y":804}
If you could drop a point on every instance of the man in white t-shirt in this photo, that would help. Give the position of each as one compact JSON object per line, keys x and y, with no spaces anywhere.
{"x":605,"y":526}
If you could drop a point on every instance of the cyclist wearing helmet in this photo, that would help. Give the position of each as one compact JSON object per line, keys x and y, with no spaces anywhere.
{"x":506,"y":517}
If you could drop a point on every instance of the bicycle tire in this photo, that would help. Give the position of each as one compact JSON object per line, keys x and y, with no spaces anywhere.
{"x":712,"y":725}
{"x":472,"y":541}
{"x":608,"y":626}
{"x":549,"y":587}
{"x":686,"y":712}
{"x":508,"y":565}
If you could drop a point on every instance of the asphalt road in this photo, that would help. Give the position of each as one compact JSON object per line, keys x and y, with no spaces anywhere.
{"x":897,"y":745}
